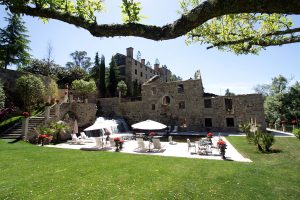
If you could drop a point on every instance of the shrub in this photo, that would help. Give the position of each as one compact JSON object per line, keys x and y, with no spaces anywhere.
{"x":52,"y":90}
{"x":267,"y":140}
{"x":296,"y":132}
{"x":30,"y":89}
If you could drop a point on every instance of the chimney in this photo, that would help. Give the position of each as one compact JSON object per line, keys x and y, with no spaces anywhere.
{"x":129,"y":52}
{"x":143,"y":61}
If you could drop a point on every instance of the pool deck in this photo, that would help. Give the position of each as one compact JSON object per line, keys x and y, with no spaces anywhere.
{"x":178,"y":150}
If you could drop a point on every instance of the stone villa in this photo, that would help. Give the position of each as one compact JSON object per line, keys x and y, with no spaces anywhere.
{"x":186,"y":105}
{"x":132,"y":70}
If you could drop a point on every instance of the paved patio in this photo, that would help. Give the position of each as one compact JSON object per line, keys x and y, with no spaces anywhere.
{"x":177,"y":150}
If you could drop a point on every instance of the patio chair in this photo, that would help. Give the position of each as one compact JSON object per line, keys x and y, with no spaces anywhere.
{"x":99,"y":143}
{"x":175,"y":129}
{"x":156,"y":144}
{"x":112,"y":142}
{"x":141,"y":144}
{"x":85,"y":138}
{"x":171,"y":140}
{"x":75,"y":140}
{"x":191,"y":144}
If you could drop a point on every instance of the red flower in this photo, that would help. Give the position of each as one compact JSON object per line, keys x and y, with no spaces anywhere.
{"x":26,"y":114}
{"x":43,"y":136}
{"x":151,"y":134}
{"x":121,"y":141}
{"x":117,"y":139}
{"x":209,"y":134}
{"x":221,"y":142}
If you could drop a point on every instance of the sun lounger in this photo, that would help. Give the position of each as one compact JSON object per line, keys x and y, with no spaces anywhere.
{"x":75,"y":140}
{"x":156,"y":144}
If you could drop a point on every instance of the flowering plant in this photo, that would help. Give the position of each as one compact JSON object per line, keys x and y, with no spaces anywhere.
{"x":119,"y":143}
{"x":222,"y":146}
{"x":45,"y":138}
{"x":26,"y":114}
{"x":209,"y":135}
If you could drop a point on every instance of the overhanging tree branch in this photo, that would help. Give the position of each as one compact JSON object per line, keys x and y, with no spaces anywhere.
{"x":249,"y":39}
{"x":194,"y":18}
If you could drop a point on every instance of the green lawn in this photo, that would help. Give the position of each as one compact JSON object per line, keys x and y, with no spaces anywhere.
{"x":31,"y":172}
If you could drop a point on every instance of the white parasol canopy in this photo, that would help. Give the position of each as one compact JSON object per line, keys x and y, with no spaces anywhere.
{"x":149,"y":125}
{"x":101,"y":123}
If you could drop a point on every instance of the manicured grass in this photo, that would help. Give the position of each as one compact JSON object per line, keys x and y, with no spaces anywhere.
{"x":32,"y":172}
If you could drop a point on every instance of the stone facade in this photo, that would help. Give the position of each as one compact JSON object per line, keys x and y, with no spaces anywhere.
{"x":85,"y":113}
{"x":186,"y":105}
{"x":132,"y":70}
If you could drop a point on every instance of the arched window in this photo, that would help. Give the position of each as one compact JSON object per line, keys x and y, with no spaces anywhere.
{"x":166,"y":100}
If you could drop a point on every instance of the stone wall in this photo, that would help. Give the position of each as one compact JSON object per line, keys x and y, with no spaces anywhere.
{"x":85,"y":113}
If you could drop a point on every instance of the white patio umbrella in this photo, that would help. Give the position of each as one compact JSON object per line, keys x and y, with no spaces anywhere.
{"x":75,"y":127}
{"x":149,"y":125}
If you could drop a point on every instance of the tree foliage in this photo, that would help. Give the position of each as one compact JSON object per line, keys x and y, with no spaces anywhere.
{"x":241,"y":26}
{"x":102,"y":84}
{"x":113,"y":77}
{"x":122,"y":87}
{"x":2,"y":96}
{"x":30,"y":89}
{"x":14,"y":42}
{"x":80,"y":59}
{"x":281,"y":101}
{"x":52,"y":89}
{"x":42,"y":67}
{"x":83,"y":87}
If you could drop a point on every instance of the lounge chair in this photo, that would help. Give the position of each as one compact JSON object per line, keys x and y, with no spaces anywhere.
{"x":112,"y":142}
{"x":85,"y":138}
{"x":75,"y":140}
{"x":99,"y":143}
{"x":141,"y":144}
{"x":190,"y":144}
{"x":156,"y":144}
{"x":171,"y":140}
{"x":175,"y":129}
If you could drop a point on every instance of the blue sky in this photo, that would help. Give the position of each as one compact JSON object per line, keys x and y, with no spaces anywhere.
{"x":219,"y":70}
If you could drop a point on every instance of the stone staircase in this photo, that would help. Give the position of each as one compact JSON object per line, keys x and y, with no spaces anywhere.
{"x":15,"y":132}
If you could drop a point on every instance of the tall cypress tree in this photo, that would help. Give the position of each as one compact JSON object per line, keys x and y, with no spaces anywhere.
{"x":102,"y":85}
{"x":113,"y":77}
{"x":95,"y":72}
{"x":14,"y":42}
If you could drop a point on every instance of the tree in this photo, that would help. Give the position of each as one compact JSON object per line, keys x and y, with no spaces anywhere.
{"x":276,"y":101}
{"x":2,"y":96}
{"x":241,"y":26}
{"x":122,"y":87}
{"x":80,"y":59}
{"x":173,"y":77}
{"x":83,"y":87}
{"x":14,"y":42}
{"x":42,"y":67}
{"x":228,"y":93}
{"x":95,"y":71}
{"x":113,"y":77}
{"x":102,"y":85}
{"x":30,"y":89}
{"x":52,"y":90}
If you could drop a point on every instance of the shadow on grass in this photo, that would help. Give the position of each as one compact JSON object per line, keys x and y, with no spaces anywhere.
{"x":16,"y":140}
{"x":273,"y":151}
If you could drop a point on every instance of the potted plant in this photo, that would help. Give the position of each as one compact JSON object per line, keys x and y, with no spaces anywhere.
{"x":119,"y":143}
{"x":222,"y":147}
{"x":209,"y":136}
